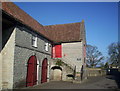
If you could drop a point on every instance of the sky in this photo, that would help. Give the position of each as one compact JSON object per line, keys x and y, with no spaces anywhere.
{"x":101,"y":18}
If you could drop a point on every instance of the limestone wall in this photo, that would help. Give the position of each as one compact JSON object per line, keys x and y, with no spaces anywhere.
{"x":72,"y":53}
{"x":66,"y":71}
{"x":23,"y":51}
{"x":24,"y":39}
{"x":7,"y":54}
{"x":95,"y":72}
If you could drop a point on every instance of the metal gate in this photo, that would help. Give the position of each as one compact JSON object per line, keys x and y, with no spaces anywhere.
{"x":31,"y":71}
{"x":44,"y":71}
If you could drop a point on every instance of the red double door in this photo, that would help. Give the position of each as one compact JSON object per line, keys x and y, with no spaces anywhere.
{"x":31,"y":71}
{"x":44,"y":71}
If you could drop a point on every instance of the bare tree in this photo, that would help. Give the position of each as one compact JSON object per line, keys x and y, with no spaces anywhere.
{"x":94,"y":57}
{"x":114,"y":54}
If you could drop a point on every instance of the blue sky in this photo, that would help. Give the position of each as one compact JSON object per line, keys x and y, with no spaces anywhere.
{"x":101,"y":18}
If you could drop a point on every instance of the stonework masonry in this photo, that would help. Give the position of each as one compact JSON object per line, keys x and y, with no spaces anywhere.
{"x":65,"y":71}
{"x":17,"y":48}
{"x":23,"y":51}
{"x":8,"y":62}
{"x":72,"y":54}
{"x":18,"y":31}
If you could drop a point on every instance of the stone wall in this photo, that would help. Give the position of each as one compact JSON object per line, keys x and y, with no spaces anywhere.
{"x":67,"y":71}
{"x":23,"y":51}
{"x":72,"y":53}
{"x":95,"y":72}
{"x":8,"y":60}
{"x":24,"y":39}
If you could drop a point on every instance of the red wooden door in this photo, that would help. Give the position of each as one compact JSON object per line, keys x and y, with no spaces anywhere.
{"x":57,"y":51}
{"x":31,"y":71}
{"x":44,"y":71}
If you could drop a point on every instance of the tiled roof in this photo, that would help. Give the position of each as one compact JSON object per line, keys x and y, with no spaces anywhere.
{"x":56,"y":33}
{"x":64,"y":32}
{"x":17,"y":13}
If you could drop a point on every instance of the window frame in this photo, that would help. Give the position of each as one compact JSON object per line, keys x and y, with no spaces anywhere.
{"x":34,"y":41}
{"x":46,"y":47}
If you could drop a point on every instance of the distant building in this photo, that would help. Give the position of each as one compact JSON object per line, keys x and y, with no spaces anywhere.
{"x":29,"y":49}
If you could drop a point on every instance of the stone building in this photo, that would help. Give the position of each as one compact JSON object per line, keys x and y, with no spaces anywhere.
{"x":25,"y":51}
{"x":69,"y":46}
{"x":30,"y":50}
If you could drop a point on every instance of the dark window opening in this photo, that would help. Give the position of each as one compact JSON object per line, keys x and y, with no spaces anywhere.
{"x":56,"y":67}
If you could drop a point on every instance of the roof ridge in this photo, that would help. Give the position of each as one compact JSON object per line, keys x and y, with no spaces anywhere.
{"x":62,"y":24}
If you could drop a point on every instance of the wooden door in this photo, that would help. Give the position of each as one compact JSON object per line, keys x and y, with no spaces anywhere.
{"x":44,"y":71}
{"x":57,"y":51}
{"x":31,"y":71}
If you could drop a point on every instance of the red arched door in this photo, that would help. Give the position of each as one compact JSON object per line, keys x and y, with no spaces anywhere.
{"x":44,"y":71}
{"x":31,"y":71}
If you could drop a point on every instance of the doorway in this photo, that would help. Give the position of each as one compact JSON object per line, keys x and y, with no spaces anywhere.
{"x":56,"y":73}
{"x":31,"y":71}
{"x":44,"y":71}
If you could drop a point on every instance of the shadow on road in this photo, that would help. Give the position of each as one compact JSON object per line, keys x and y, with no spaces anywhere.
{"x":114,"y":74}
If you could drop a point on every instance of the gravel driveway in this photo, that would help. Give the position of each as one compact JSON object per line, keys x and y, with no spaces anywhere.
{"x":101,"y":82}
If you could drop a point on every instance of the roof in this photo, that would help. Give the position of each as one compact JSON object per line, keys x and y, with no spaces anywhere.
{"x":21,"y":16}
{"x":56,"y":33}
{"x":64,"y":32}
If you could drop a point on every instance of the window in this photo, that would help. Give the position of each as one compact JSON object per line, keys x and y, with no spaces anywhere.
{"x":78,"y":59}
{"x":46,"y":46}
{"x":34,"y":41}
